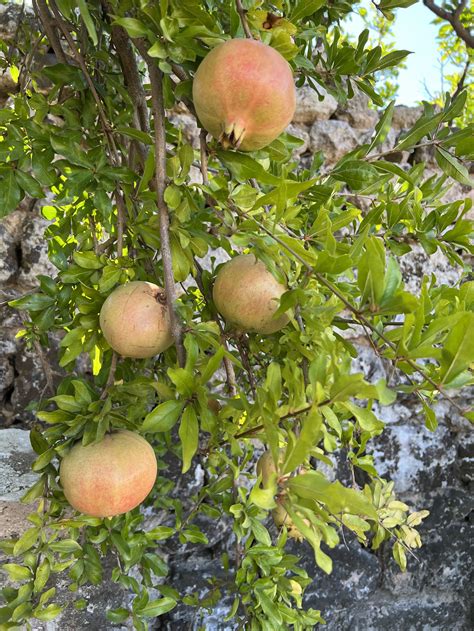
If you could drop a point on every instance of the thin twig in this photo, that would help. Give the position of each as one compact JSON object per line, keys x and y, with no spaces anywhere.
{"x":243,"y":19}
{"x":121,"y":211}
{"x":242,"y":346}
{"x":304,"y":360}
{"x":111,"y":377}
{"x":228,"y":365}
{"x":48,"y":373}
{"x":156,"y":81}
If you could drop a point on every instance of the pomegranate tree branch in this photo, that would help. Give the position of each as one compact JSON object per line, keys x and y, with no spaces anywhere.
{"x":454,"y":18}
{"x":111,"y":377}
{"x":358,"y":315}
{"x":46,"y":19}
{"x":48,"y":373}
{"x":156,"y":82}
{"x":228,"y":365}
{"x":243,"y":19}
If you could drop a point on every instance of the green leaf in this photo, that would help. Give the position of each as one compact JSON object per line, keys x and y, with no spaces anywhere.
{"x":26,"y":541}
{"x":136,"y":134}
{"x":189,"y":436}
{"x":29,"y":184}
{"x":117,"y":615}
{"x":87,"y":260}
{"x":458,"y":351}
{"x":303,"y":8}
{"x":43,"y":460}
{"x":212,"y":365}
{"x":307,"y":440}
{"x":10,"y":193}
{"x":400,"y":556}
{"x":65,"y":546}
{"x":431,"y":421}
{"x":366,"y":418}
{"x":263,"y":497}
{"x":453,"y":167}
{"x":382,"y":127}
{"x":424,"y":126}
{"x":88,"y":21}
{"x":357,"y":174}
{"x":33,"y":302}
{"x":48,"y":613}
{"x":244,"y":167}
{"x":110,"y":277}
{"x":17,"y":572}
{"x":134,"y":27}
{"x":163,"y":417}
{"x":392,"y":59}
{"x":158,"y":607}
{"x":42,"y":575}
{"x":67,"y":403}
{"x":371,"y":272}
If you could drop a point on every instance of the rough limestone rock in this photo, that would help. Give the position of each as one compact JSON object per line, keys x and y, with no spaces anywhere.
{"x":310,"y":108}
{"x":405,"y":117}
{"x":334,"y":138}
{"x":16,"y":476}
{"x":10,"y":235}
{"x":34,"y":251}
{"x":299,"y":132}
{"x":418,"y":263}
{"x":356,"y":112}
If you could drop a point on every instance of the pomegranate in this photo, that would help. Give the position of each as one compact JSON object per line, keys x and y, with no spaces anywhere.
{"x":109,"y":477}
{"x":247,"y":295}
{"x":244,"y":94}
{"x":135,"y":321}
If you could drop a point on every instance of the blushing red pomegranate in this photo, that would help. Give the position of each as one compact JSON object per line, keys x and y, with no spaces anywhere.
{"x":109,"y":477}
{"x":247,"y":295}
{"x":244,"y":94}
{"x":135,"y":321}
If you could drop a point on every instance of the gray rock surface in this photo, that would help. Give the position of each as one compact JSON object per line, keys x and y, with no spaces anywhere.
{"x":310,"y":108}
{"x":356,"y":112}
{"x":334,"y":138}
{"x":405,"y":117}
{"x":16,"y":476}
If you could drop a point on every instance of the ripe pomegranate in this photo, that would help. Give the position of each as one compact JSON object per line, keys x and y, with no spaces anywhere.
{"x":134,"y":320}
{"x":244,"y":94}
{"x":247,"y":295}
{"x":109,"y":477}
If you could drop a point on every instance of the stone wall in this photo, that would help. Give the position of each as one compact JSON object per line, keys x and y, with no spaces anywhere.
{"x":431,"y":470}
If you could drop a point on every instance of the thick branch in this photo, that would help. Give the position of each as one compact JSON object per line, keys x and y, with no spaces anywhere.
{"x":41,"y":9}
{"x":156,"y":81}
{"x":454,"y":19}
{"x":123,"y":46}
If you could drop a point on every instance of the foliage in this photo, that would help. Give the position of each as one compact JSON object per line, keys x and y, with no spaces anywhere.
{"x":380,"y":27}
{"x":459,"y":58}
{"x":77,"y":135}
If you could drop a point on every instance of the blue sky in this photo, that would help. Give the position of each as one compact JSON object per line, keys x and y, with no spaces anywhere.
{"x":414,"y":30}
